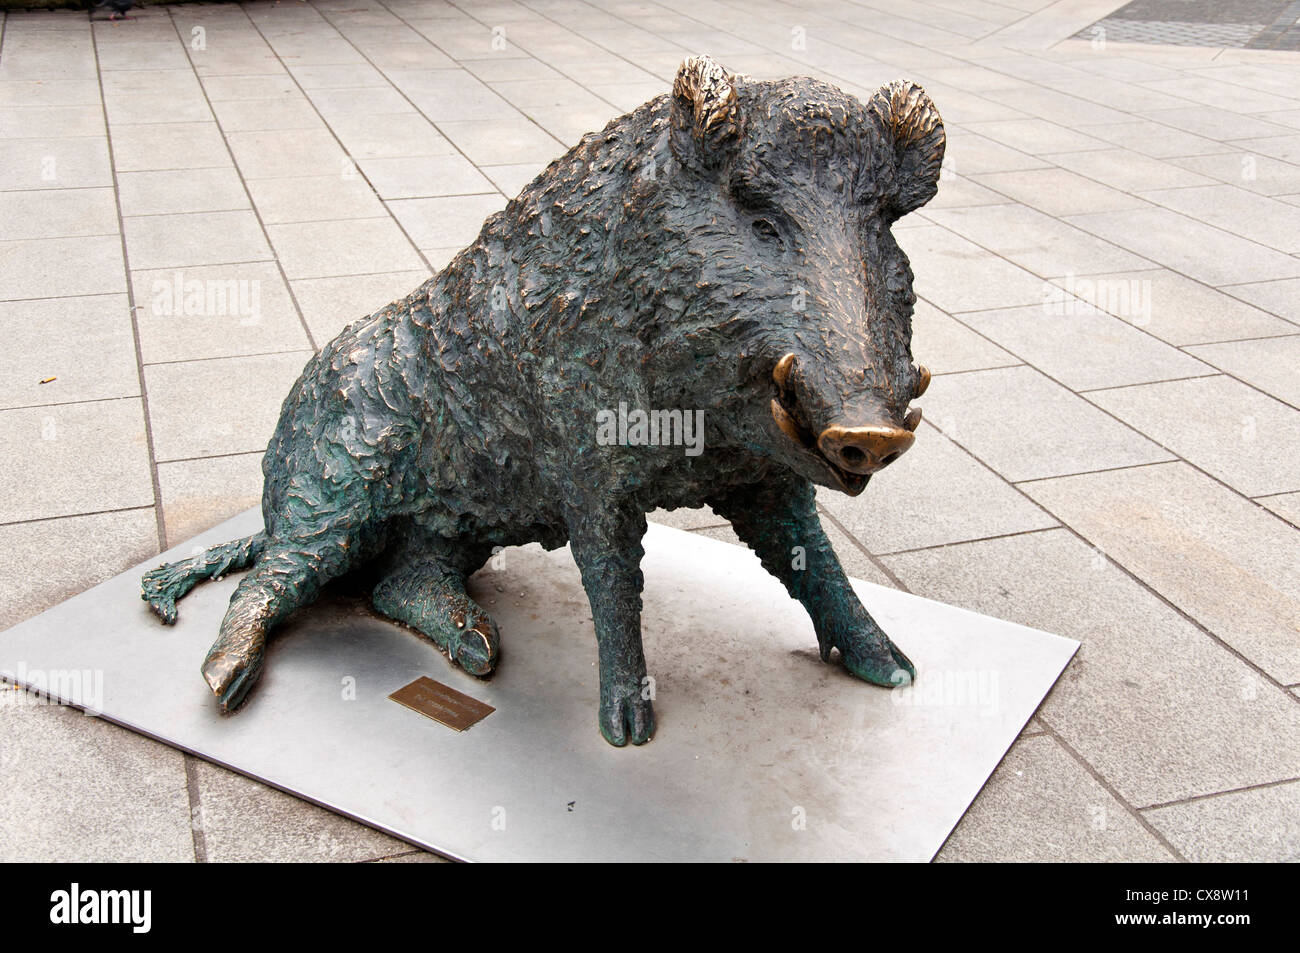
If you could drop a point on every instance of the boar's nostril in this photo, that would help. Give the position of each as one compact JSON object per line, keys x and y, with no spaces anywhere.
{"x":864,"y":449}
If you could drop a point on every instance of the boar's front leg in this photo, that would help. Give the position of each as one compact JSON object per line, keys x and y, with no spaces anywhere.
{"x":774,"y":517}
{"x":607,"y":548}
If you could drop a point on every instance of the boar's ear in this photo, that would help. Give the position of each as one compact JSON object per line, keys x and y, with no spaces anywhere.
{"x":703,"y":112}
{"x":909,"y":119}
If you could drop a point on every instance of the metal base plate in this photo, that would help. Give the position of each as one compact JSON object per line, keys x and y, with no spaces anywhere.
{"x":762,"y":752}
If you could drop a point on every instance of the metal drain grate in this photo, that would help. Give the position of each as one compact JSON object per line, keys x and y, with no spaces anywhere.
{"x":1253,"y":24}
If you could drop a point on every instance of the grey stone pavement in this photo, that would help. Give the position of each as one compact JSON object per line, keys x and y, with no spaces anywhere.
{"x":1110,"y":301}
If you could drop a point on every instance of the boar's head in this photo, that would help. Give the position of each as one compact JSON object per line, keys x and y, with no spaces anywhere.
{"x":795,"y":185}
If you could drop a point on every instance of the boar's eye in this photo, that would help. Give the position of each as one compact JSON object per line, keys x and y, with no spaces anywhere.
{"x":766,"y":230}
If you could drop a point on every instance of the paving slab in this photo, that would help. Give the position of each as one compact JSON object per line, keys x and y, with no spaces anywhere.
{"x":81,"y":347}
{"x":65,"y":459}
{"x":195,"y":238}
{"x":1177,"y":309}
{"x":1047,"y":432}
{"x":57,"y":213}
{"x":1083,"y":347}
{"x":1042,"y":806}
{"x":192,"y":313}
{"x":1151,"y":702}
{"x":1267,"y":364}
{"x":1261,"y":825}
{"x":314,"y":198}
{"x":1281,"y":298}
{"x":51,"y":122}
{"x":449,"y":222}
{"x":170,"y":192}
{"x":1226,"y":562}
{"x":198,"y":494}
{"x":1057,"y":192}
{"x":1036,"y":242}
{"x":331,"y":304}
{"x":424,"y":177}
{"x":171,"y":145}
{"x":120,"y":797}
{"x":946,"y":346}
{"x":955,"y":274}
{"x":1246,"y":170}
{"x":45,"y":561}
{"x":184,"y":427}
{"x":246,"y":821}
{"x":332,"y":249}
{"x":1247,"y":439}
{"x":1256,"y":217}
{"x":61,"y":267}
{"x":1189,"y":246}
{"x":935,"y":494}
{"x":55,"y":163}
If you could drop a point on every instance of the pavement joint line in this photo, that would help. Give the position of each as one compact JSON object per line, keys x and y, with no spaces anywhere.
{"x":1127,"y":466}
{"x":1084,"y":396}
{"x":68,"y":516}
{"x":1262,"y":785}
{"x":1130,"y":573}
{"x":213,"y":456}
{"x":1110,"y":788}
{"x":206,"y":211}
{"x":228,"y":357}
{"x":974,"y":539}
{"x":194,"y":796}
{"x":353,"y":160}
{"x":1211,"y":371}
{"x":160,"y":525}
{"x":261,"y":223}
{"x":976,"y":370}
{"x":872,"y":557}
{"x":531,"y":56}
{"x":70,"y":403}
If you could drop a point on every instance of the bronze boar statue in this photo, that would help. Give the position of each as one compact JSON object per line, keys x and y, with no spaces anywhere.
{"x":724,"y":251}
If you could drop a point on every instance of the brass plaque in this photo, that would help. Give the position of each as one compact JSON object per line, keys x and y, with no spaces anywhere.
{"x":442,"y":703}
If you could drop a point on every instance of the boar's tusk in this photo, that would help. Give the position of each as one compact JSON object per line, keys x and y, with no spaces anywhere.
{"x":789,"y":426}
{"x":924,"y":383}
{"x":781,"y":373}
{"x":912,"y":420}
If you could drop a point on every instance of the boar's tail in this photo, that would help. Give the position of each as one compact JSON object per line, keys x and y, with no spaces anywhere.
{"x":161,"y":587}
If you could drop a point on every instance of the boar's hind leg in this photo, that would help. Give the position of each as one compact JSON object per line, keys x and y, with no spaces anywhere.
{"x":777,"y":518}
{"x":607,"y":548}
{"x":429,"y":595}
{"x":288,"y":575}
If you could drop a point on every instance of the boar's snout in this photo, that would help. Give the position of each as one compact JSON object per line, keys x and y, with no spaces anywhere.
{"x":864,"y":449}
{"x":853,"y":448}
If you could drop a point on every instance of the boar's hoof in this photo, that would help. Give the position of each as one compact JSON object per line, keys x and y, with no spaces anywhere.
{"x":476,"y":648}
{"x":230,"y":675}
{"x":874,"y":658}
{"x":438,"y":608}
{"x":626,"y":716}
